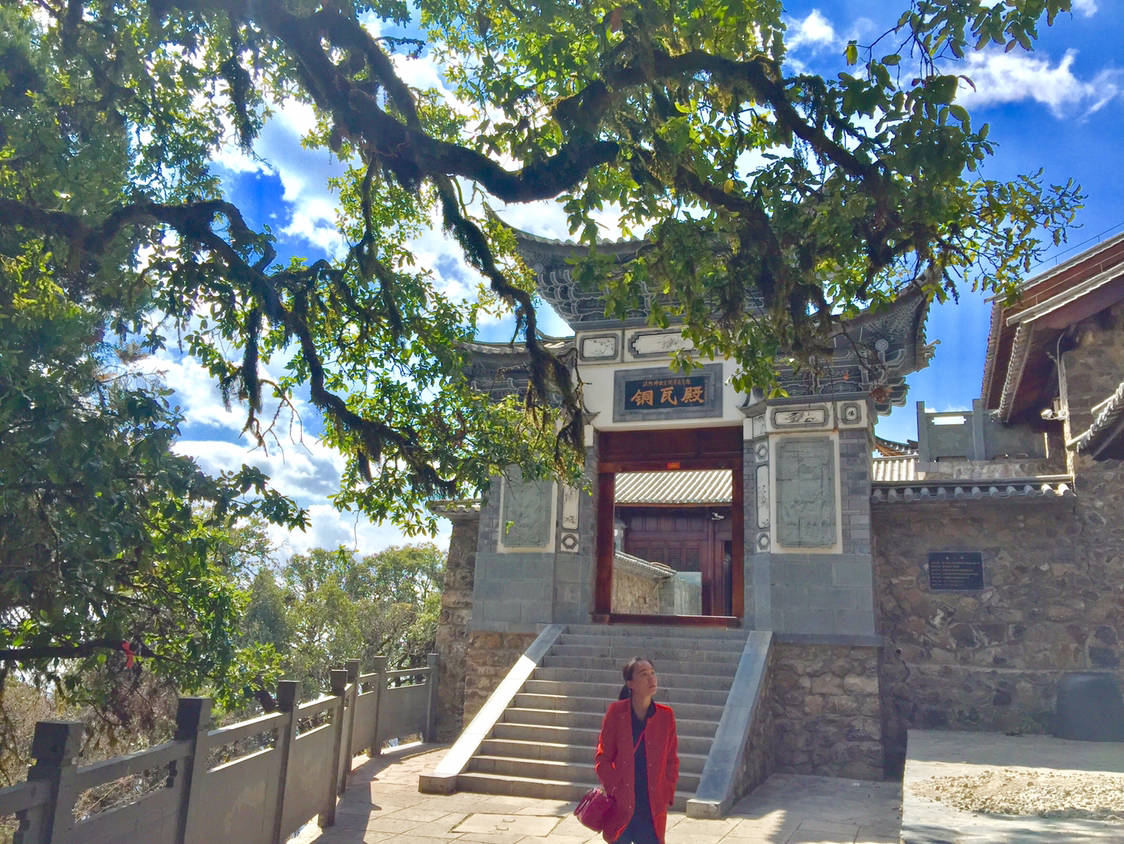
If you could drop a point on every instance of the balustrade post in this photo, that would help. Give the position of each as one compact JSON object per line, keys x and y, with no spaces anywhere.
{"x":379,"y":666}
{"x":352,"y":705}
{"x":55,"y":748}
{"x":288,"y":697}
{"x":338,"y":678}
{"x":193,"y":720}
{"x":430,"y":734}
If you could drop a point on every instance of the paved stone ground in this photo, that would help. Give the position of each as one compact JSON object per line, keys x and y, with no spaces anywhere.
{"x":383,"y":806}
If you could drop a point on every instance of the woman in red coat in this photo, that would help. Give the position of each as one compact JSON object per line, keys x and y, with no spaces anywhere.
{"x":638,"y":759}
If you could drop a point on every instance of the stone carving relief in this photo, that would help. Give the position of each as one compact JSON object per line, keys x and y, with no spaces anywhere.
{"x":569,"y":538}
{"x":851,"y":413}
{"x":802,"y":417}
{"x":806,"y":507}
{"x":662,"y":343}
{"x":526,"y":512}
{"x":600,"y":347}
{"x":763,"y":497}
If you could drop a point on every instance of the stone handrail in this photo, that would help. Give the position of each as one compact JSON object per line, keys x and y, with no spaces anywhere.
{"x":261,"y":797}
{"x":443,"y":778}
{"x":728,"y":775}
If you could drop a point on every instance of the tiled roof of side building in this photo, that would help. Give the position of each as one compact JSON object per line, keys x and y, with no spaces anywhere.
{"x":1105,"y":436}
{"x":898,"y":480}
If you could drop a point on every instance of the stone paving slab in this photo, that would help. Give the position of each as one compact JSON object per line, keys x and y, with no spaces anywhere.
{"x":940,"y":753}
{"x":383,"y":806}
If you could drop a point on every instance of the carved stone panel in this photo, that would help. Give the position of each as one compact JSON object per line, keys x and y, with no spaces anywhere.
{"x":654,"y":344}
{"x":763,"y":497}
{"x":785,"y":418}
{"x":569,"y":539}
{"x":600,"y":347}
{"x":526,"y":512}
{"x":805,"y":493}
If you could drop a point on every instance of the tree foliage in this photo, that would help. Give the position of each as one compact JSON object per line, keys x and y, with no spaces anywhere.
{"x":820,"y":195}
{"x":113,"y":548}
{"x":325,"y":607}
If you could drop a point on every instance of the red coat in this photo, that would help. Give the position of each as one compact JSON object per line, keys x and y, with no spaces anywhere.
{"x":614,"y":765}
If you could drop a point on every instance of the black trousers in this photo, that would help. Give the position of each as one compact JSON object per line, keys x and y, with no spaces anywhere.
{"x":640,"y":829}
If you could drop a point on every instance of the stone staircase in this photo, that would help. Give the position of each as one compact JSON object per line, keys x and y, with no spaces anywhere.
{"x":544,"y":744}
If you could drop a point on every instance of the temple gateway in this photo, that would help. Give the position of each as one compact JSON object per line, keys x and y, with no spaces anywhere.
{"x":807,"y":591}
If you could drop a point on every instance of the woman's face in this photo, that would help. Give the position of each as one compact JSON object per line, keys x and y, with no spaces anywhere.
{"x":643,"y":683}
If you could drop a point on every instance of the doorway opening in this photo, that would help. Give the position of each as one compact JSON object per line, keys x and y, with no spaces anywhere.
{"x":669,"y":527}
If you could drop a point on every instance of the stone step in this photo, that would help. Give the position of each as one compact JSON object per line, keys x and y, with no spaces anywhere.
{"x":709,"y":668}
{"x":612,"y":677}
{"x":682,"y":642}
{"x":592,"y":721}
{"x":655,"y":631}
{"x":598,"y":705}
{"x":555,"y":771}
{"x":549,"y":751}
{"x":583,"y":738}
{"x":672,"y":694}
{"x":479,"y":783}
{"x":619,"y":655}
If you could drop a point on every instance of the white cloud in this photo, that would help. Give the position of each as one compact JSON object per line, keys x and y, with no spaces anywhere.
{"x":297,"y":463}
{"x":814,"y":31}
{"x":1087,"y":8}
{"x":1017,"y":77}
{"x":304,"y":173}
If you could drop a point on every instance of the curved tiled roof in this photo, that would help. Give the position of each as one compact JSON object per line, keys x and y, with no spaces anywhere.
{"x":696,"y":487}
{"x":893,"y":470}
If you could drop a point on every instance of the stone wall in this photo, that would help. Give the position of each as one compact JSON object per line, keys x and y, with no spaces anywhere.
{"x":1053,"y":596}
{"x":990,"y":660}
{"x":1095,"y":367}
{"x":759,"y":760}
{"x":634,"y":593}
{"x":488,"y":658}
{"x":826,"y":710}
{"x":452,"y":625}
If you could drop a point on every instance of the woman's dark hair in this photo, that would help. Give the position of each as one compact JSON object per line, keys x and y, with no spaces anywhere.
{"x":627,"y":671}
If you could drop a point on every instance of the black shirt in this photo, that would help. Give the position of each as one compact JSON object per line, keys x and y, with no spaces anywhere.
{"x":640,"y":828}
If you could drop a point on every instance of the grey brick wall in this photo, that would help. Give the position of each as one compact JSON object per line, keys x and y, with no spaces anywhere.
{"x":854,"y":466}
{"x":573,"y":573}
{"x":820,"y":594}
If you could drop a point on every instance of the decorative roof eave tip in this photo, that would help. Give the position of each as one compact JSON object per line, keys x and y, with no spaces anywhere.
{"x":449,"y":509}
{"x":977,"y":492}
{"x":627,"y":244}
{"x":553,"y":344}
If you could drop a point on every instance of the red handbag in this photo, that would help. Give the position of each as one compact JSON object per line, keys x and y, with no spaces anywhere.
{"x":594,"y":807}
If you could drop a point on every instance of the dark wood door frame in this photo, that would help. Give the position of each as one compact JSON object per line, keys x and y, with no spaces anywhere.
{"x":658,"y":451}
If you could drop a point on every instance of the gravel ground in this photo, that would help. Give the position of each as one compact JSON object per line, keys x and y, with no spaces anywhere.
{"x":1006,"y":791}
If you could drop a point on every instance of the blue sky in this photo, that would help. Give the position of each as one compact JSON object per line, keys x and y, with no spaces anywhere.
{"x":1059,"y":109}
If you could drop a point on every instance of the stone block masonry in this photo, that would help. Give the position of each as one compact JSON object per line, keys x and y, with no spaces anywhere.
{"x":488,"y":657}
{"x":827,"y":713}
{"x":1052,"y":602}
{"x":452,"y":624}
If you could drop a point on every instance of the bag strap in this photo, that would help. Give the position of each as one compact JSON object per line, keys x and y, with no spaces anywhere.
{"x":639,"y":738}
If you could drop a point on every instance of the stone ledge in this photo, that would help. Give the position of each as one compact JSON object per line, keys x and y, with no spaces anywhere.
{"x":860,"y":639}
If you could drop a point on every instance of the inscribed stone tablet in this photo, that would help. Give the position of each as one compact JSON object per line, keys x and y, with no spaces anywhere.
{"x":806,"y":493}
{"x":526,"y":512}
